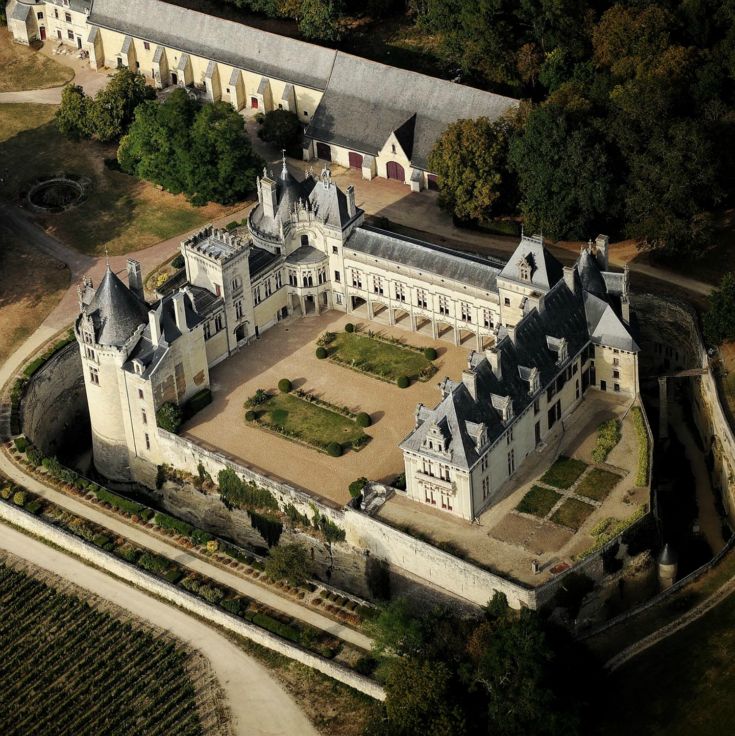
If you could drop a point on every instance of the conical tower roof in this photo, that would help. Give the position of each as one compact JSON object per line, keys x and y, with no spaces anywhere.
{"x":115,"y":311}
{"x":590,"y":275}
{"x":668,"y":556}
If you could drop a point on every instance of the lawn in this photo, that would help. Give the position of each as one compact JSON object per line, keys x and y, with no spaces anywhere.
{"x":538,"y":501}
{"x":121,"y":213}
{"x":31,"y":285}
{"x":564,"y":472}
{"x":25,"y":68}
{"x":378,"y":358}
{"x":572,"y":513}
{"x":309,"y":422}
{"x":597,"y":484}
{"x":679,"y":687}
{"x":71,"y":668}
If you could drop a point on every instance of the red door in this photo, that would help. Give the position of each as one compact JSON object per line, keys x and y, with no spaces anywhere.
{"x":395,"y":171}
{"x":43,"y":33}
{"x":254,"y":103}
{"x":323,"y":151}
{"x":355,"y":160}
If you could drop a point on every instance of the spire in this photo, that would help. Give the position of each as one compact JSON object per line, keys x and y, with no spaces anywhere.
{"x":284,"y":170}
{"x":107,"y":258}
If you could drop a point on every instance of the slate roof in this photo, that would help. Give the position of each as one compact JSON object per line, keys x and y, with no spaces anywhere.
{"x":426,"y":257}
{"x":259,"y":260}
{"x":115,"y":311}
{"x":590,"y":273}
{"x":306,"y":254}
{"x":20,"y":12}
{"x":204,"y":35}
{"x":604,"y":325}
{"x":545,"y":269}
{"x":366,"y":101}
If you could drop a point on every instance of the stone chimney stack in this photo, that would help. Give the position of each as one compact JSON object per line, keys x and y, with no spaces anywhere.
{"x":155,"y":328}
{"x":180,"y":311}
{"x":269,"y":196}
{"x":135,"y":279}
{"x":569,"y":279}
{"x":469,"y":378}
{"x":601,"y":244}
{"x":351,"y":207}
{"x":493,"y":358}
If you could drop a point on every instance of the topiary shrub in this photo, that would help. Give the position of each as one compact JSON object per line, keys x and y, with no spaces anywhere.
{"x":321,"y":353}
{"x":178,"y":262}
{"x":363,"y":419}
{"x":402,"y":382}
{"x":334,"y":449}
{"x":21,"y":444}
{"x":285,"y":386}
{"x":250,"y":415}
{"x":349,"y":327}
{"x":430,"y":353}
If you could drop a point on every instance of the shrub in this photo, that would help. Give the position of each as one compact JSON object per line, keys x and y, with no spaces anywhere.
{"x":34,"y":456}
{"x":232,"y":605}
{"x":289,"y":561}
{"x":169,"y":417}
{"x":19,"y":498}
{"x":331,"y":532}
{"x":357,"y":486}
{"x":235,"y":492}
{"x":129,"y":507}
{"x":230,"y":226}
{"x":100,"y":540}
{"x":128,"y":553}
{"x":21,"y":444}
{"x":268,"y":527}
{"x":199,"y":536}
{"x":296,"y":516}
{"x":334,"y":449}
{"x":321,"y":353}
{"x":169,"y":522}
{"x":363,"y":419}
{"x":608,"y":435}
{"x":399,"y":482}
{"x":285,"y":386}
{"x":178,"y":262}
{"x":34,"y":507}
{"x":641,"y":477}
{"x":250,"y":415}
{"x":6,"y":492}
{"x":259,"y":397}
{"x":349,"y":327}
{"x":430,"y":353}
{"x":197,"y":402}
{"x":402,"y":382}
{"x":154,"y":563}
{"x":275,"y":627}
{"x":211,"y":594}
{"x":366,"y":665}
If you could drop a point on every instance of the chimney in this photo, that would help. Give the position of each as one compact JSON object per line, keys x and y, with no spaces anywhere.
{"x":569,"y":279}
{"x":180,"y":311}
{"x":511,"y":330}
{"x":469,"y":379}
{"x":269,"y":193}
{"x":351,"y":208}
{"x":135,"y":280}
{"x":625,"y":310}
{"x":601,"y":243}
{"x":155,"y":327}
{"x":493,"y":358}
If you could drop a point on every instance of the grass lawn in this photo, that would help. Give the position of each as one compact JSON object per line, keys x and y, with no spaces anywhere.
{"x":597,"y":484}
{"x":538,"y":501}
{"x":309,"y":422}
{"x":121,"y":213}
{"x":31,"y":285}
{"x":572,"y":513}
{"x":682,"y":686}
{"x":382,"y":359}
{"x":24,"y":68}
{"x":564,"y":472}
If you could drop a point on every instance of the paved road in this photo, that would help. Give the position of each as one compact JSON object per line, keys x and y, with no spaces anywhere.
{"x":258,"y":704}
{"x":142,"y":536}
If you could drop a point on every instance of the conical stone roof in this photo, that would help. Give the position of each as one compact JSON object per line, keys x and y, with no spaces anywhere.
{"x":115,"y":311}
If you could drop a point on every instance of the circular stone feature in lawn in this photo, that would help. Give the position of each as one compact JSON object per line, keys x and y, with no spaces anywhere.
{"x":55,"y":195}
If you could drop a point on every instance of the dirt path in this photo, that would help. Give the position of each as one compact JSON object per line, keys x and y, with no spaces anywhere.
{"x":259,"y":705}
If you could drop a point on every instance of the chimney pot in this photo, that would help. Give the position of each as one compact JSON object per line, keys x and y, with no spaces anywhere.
{"x":135,"y":279}
{"x":180,"y":311}
{"x":569,"y":279}
{"x":155,"y":327}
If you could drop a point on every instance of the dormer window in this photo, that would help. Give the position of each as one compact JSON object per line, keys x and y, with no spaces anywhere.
{"x":524,"y":269}
{"x":393,"y":148}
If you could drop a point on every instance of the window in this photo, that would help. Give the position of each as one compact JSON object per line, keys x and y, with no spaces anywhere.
{"x":337,"y":278}
{"x":487,"y":318}
{"x":218,"y":323}
{"x":308,"y":279}
{"x":70,"y":35}
{"x":421,"y":298}
{"x":140,"y":393}
{"x":446,"y":501}
{"x":400,"y":293}
{"x":616,"y":361}
{"x":279,"y":280}
{"x":393,"y":148}
{"x":335,"y":250}
{"x":147,"y":47}
{"x":466,"y":310}
{"x":511,"y":462}
{"x":509,"y":436}
{"x":218,"y":290}
{"x":207,"y":330}
{"x":256,"y":295}
{"x":94,"y":376}
{"x":238,"y":309}
{"x":443,"y":305}
{"x":483,"y":463}
{"x":147,"y":442}
{"x":304,"y":240}
{"x":616,"y":386}
{"x":356,"y":278}
{"x":67,"y":17}
{"x":485,"y":488}
{"x":39,"y":16}
{"x":429,"y":496}
{"x":89,"y":353}
{"x":236,"y":283}
{"x":616,"y":374}
{"x":56,"y":13}
{"x":322,"y":274}
{"x":144,"y":416}
{"x":378,"y":284}
{"x":506,"y":301}
{"x":268,"y":288}
{"x":338,"y":298}
{"x":536,"y":407}
{"x":306,"y":114}
{"x":292,"y":278}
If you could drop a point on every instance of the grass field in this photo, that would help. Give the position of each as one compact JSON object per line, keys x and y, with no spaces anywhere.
{"x":381,"y":359}
{"x":597,"y":484}
{"x":680,"y":687}
{"x":564,"y":472}
{"x":308,"y":422}
{"x":121,"y":213}
{"x":572,"y":513}
{"x":25,"y":301}
{"x":71,"y":668}
{"x":538,"y":501}
{"x":24,"y":68}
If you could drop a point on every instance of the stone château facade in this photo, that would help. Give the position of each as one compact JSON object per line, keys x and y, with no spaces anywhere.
{"x":541,"y":335}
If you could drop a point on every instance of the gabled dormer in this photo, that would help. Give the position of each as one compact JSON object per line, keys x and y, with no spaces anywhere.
{"x":436,"y":440}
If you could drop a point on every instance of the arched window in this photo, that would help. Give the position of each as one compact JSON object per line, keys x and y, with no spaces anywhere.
{"x":304,"y":240}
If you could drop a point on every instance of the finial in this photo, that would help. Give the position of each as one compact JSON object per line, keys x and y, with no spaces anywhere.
{"x":284,"y":170}
{"x":107,"y":257}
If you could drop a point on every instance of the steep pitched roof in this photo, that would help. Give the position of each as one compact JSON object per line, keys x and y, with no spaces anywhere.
{"x":605,"y":327}
{"x":366,"y":101}
{"x":204,"y":35}
{"x":115,"y":311}
{"x":545,"y":268}
{"x":590,"y":274}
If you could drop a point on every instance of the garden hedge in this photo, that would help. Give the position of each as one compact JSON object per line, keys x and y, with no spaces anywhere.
{"x":363,"y":419}
{"x":430,"y":353}
{"x":349,"y":327}
{"x":334,"y":449}
{"x":402,"y":382}
{"x":321,"y":353}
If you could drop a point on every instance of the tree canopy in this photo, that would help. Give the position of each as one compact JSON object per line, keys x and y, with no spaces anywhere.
{"x":719,"y":321}
{"x":281,"y":128}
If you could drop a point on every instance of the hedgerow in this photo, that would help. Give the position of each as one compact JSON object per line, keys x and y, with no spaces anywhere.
{"x":608,"y":435}
{"x":641,"y":477}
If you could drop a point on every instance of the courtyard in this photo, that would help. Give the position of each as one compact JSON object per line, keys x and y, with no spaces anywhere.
{"x":288,"y":351}
{"x":552,"y":509}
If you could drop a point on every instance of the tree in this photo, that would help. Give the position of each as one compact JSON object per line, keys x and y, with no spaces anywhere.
{"x":281,"y":128}
{"x":169,"y":417}
{"x":719,"y":321}
{"x":289,"y":561}
{"x":72,"y":117}
{"x":319,"y":19}
{"x":562,"y":166}
{"x":470,"y":160}
{"x":396,"y":630}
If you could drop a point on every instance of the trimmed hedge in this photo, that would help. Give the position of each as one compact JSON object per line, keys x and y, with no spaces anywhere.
{"x":197,"y":402}
{"x":178,"y":262}
{"x":285,"y":386}
{"x":276,"y":627}
{"x":430,"y":353}
{"x":641,"y":477}
{"x":169,"y":522}
{"x":608,"y":435}
{"x":321,"y":353}
{"x":349,"y":327}
{"x":129,"y":507}
{"x":334,"y":449}
{"x":363,"y":419}
{"x":402,"y":382}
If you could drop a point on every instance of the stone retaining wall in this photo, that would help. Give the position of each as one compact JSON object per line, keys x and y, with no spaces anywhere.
{"x":185,"y":600}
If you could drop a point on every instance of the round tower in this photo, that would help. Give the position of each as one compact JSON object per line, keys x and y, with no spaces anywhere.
{"x":667,"y":567}
{"x":111,"y":320}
